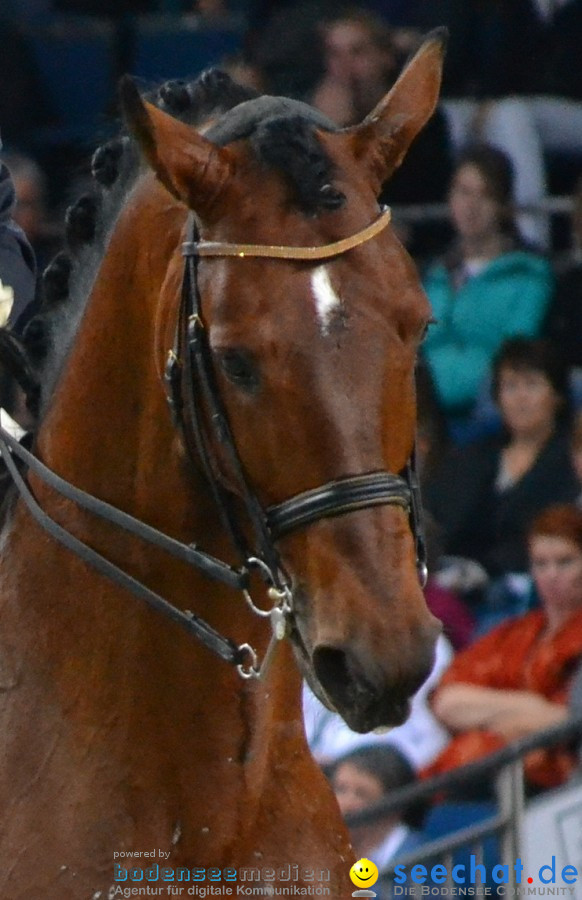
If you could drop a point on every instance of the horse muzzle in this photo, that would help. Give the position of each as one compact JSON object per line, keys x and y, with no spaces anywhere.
{"x":363,"y":702}
{"x":367,"y":693}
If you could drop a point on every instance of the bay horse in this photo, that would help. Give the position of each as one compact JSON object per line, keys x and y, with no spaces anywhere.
{"x":243,"y":271}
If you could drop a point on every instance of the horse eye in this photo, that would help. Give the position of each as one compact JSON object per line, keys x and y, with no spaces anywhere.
{"x":239,"y":368}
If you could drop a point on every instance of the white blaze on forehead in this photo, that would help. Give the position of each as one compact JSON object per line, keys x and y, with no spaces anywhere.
{"x":326,"y":299}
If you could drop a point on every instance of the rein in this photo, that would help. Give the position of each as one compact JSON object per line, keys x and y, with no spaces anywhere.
{"x":190,"y":365}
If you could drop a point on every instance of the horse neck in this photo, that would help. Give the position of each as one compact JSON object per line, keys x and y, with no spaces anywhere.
{"x":111,"y":386}
{"x":108,"y":427}
{"x":109,"y":432}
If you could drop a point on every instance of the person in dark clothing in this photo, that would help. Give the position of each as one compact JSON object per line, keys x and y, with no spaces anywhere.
{"x":361,"y":63}
{"x":485,"y":495}
{"x":564,"y":321}
{"x":283,"y":41}
{"x":17,"y":301}
{"x":492,"y":47}
{"x":31,"y":211}
{"x":363,"y":778}
{"x":491,"y":68}
{"x":493,"y":44}
{"x":17,"y":262}
{"x":517,"y":679}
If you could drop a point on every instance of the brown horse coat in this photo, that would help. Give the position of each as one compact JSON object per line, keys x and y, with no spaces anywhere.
{"x":118,"y":733}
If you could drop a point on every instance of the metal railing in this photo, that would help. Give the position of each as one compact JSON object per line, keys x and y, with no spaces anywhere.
{"x":425,"y":212}
{"x":504,"y":770}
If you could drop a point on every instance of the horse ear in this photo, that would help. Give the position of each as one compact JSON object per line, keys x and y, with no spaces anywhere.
{"x":190,"y":167}
{"x":383,"y":138}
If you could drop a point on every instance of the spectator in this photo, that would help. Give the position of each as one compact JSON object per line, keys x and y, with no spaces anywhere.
{"x":431,"y":446}
{"x":31,"y":209}
{"x":556,"y":88}
{"x":432,"y":435}
{"x":17,"y":293}
{"x":361,"y":63}
{"x":445,"y":602}
{"x":491,"y":44}
{"x":489,"y":285}
{"x":419,"y":739}
{"x":284,"y":43}
{"x":362,"y":779}
{"x":493,"y":57}
{"x":515,"y":680}
{"x":509,"y":125}
{"x":516,"y":83}
{"x":17,"y":262}
{"x":486,"y":494}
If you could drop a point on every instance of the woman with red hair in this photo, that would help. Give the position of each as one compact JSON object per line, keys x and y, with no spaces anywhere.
{"x":516,"y":679}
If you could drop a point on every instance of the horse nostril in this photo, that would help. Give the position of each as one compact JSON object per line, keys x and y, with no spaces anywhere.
{"x":368,"y":695}
{"x":330,"y":668}
{"x":336,"y":673}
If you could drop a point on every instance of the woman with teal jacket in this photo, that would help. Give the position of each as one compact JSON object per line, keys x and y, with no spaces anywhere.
{"x":489,"y":287}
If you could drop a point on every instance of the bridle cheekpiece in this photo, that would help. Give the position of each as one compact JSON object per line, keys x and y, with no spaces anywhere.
{"x":190,"y":364}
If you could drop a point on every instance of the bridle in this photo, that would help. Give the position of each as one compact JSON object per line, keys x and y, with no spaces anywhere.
{"x":197,"y":409}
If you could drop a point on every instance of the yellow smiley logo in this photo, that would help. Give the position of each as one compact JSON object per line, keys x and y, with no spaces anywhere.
{"x":364,"y":873}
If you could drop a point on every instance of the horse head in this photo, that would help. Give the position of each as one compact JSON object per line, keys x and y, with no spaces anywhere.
{"x":313,"y":359}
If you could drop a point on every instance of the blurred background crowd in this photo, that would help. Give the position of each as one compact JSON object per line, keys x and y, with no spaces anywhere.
{"x":489,"y":204}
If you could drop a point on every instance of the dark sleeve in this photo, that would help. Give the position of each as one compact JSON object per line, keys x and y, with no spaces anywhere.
{"x":17,"y":263}
{"x":460,"y":496}
{"x":550,"y":480}
{"x":17,"y":272}
{"x":563,"y":324}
